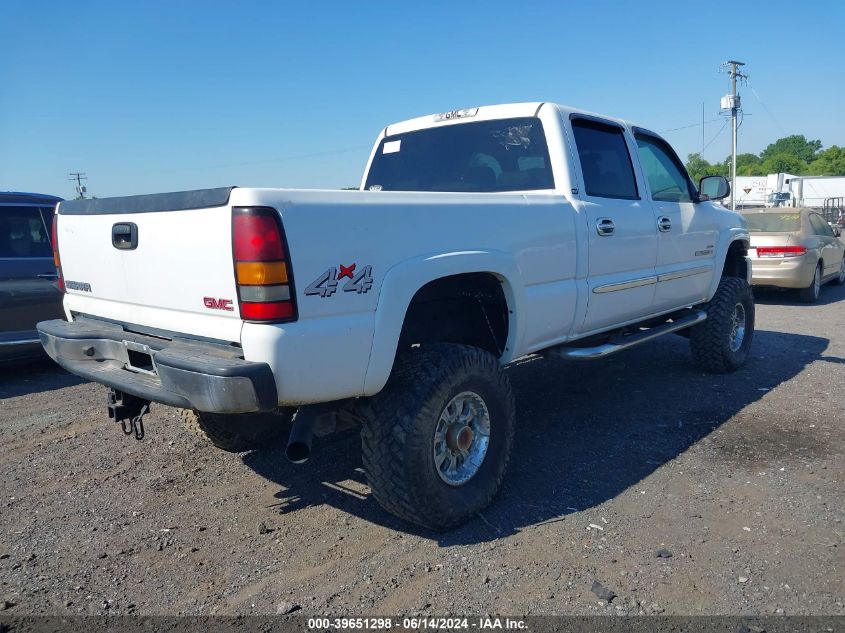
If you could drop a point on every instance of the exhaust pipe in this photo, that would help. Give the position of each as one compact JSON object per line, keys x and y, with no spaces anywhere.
{"x":320,"y":417}
{"x":299,"y":443}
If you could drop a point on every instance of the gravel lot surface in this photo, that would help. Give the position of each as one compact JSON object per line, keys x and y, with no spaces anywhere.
{"x":639,"y":476}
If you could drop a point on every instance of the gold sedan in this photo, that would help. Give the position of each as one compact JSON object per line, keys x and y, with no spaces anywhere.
{"x":794,"y":248}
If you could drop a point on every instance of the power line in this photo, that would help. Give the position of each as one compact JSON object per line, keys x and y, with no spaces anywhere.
{"x":686,"y":127}
{"x":766,"y":108}
{"x":721,"y":129}
{"x":284,"y":159}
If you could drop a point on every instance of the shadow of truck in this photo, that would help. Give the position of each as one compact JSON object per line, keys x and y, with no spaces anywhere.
{"x":585,"y":433}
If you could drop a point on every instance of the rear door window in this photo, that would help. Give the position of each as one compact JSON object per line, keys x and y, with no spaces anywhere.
{"x":485,"y":156}
{"x":605,"y":161}
{"x":23,"y":233}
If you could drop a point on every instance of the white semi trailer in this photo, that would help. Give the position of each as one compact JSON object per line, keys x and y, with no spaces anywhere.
{"x":782,"y":189}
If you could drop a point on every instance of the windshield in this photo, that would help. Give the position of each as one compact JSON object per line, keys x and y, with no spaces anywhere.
{"x":773,"y":222}
{"x":487,"y":156}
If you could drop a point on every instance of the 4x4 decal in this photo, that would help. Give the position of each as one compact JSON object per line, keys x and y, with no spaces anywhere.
{"x":326,"y":284}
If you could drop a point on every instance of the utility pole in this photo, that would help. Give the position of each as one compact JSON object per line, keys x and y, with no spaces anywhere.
{"x":732,"y":102}
{"x":80,"y":188}
{"x":702,"y":129}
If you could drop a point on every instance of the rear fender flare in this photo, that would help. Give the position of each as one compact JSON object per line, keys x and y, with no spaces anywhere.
{"x":403,"y":281}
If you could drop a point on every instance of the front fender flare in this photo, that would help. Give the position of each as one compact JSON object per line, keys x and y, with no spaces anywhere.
{"x":728,"y":237}
{"x":403,"y":281}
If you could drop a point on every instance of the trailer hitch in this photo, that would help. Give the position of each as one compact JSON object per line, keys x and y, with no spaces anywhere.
{"x":129,"y":410}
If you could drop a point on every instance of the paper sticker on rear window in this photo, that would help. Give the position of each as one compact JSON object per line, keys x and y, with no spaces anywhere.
{"x":391,"y":147}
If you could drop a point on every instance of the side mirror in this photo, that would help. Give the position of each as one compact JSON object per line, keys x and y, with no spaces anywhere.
{"x":713,"y":188}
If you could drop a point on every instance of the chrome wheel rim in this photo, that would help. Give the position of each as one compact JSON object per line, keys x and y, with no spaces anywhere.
{"x":461,"y":438}
{"x":737,"y":327}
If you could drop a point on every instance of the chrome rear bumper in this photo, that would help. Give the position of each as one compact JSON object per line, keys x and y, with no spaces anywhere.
{"x":180,"y":373}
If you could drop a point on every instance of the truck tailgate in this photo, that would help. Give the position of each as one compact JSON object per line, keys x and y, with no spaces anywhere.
{"x":176,"y":272}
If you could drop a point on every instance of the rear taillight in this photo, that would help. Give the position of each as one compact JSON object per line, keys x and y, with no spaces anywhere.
{"x":262,"y":266}
{"x":781,"y":251}
{"x":54,"y":238}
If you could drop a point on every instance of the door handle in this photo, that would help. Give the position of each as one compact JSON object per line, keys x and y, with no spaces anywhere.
{"x":664,"y":224}
{"x":605,"y":227}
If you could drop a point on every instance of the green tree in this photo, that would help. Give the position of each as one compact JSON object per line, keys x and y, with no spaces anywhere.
{"x":747,"y":165}
{"x":830,"y":162}
{"x":698,"y":168}
{"x":783,"y":162}
{"x":796,"y":145}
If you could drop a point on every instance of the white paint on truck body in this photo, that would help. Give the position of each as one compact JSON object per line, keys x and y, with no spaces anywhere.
{"x":347,"y":342}
{"x":182,"y":256}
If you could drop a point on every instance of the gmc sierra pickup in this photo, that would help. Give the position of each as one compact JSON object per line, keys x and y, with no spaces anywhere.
{"x":478,"y":236}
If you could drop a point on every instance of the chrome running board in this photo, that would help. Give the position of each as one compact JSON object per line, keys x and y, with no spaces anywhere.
{"x":623,"y":342}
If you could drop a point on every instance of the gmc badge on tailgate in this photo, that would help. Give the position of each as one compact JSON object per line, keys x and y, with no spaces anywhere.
{"x":218,"y":304}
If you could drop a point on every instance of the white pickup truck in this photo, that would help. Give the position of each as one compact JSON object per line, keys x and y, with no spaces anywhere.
{"x":478,"y":236}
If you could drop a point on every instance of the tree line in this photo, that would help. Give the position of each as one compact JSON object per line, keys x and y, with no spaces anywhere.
{"x":791,"y":154}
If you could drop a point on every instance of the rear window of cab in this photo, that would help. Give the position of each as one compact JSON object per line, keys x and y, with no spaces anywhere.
{"x":483,"y":156}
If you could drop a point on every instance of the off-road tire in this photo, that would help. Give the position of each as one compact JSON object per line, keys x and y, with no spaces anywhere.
{"x":236,"y":433}
{"x":398,"y":427}
{"x":710,"y":341}
{"x":811,"y":293}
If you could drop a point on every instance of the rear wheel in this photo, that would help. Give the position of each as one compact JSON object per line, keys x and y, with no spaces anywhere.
{"x":840,"y":281}
{"x":810,"y":294}
{"x":721,"y":343}
{"x":437,"y":439}
{"x":239,"y":432}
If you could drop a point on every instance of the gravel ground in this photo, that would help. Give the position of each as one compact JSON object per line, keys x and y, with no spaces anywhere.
{"x":677,"y":491}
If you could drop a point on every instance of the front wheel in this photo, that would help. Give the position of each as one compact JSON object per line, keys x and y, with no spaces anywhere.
{"x":721,"y":344}
{"x":437,"y":439}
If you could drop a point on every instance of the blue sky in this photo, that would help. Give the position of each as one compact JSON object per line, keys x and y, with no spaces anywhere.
{"x":163,"y":96}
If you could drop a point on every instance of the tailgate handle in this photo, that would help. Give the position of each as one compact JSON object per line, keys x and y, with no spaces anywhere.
{"x":124,"y":236}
